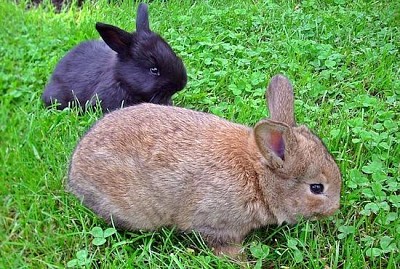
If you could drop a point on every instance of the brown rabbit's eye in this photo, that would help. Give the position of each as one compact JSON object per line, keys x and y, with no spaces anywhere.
{"x":317,"y":188}
{"x":154,"y":71}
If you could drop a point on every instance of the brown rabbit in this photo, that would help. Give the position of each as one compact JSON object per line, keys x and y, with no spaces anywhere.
{"x":148,"y":166}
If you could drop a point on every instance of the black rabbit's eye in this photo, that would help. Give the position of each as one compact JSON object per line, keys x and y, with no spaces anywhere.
{"x":154,"y":71}
{"x":317,"y":188}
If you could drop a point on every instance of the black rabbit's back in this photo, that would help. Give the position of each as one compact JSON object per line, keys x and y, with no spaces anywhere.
{"x":74,"y":75}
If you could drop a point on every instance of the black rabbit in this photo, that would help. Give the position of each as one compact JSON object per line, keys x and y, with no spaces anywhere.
{"x":123,"y":70}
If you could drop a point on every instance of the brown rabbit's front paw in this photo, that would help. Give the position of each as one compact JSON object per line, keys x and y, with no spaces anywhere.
{"x":233,"y":251}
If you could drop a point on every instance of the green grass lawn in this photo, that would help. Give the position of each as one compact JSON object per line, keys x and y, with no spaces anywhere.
{"x":343,"y":59}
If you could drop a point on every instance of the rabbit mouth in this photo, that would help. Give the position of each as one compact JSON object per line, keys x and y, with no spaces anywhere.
{"x":316,"y":217}
{"x":160,"y":99}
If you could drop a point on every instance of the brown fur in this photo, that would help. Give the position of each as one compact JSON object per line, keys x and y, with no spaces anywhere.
{"x":149,"y":166}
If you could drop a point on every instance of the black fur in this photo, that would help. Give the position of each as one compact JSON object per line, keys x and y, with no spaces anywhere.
{"x":123,"y":70}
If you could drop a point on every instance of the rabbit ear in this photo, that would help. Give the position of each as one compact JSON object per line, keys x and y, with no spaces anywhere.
{"x":281,"y":100}
{"x":274,"y":140}
{"x":117,"y":39}
{"x":142,"y":18}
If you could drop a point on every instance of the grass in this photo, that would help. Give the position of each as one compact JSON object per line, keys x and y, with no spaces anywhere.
{"x":343,"y":59}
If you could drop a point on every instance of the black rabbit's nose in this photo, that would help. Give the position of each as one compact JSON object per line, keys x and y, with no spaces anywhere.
{"x":180,"y":80}
{"x":184,"y":80}
{"x":180,"y":85}
{"x":176,"y":86}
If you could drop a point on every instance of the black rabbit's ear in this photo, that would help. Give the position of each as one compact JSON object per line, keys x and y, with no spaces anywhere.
{"x":117,"y":39}
{"x":142,"y":18}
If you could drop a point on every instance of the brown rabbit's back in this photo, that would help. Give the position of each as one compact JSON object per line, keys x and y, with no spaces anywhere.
{"x":157,"y":166}
{"x":149,"y":166}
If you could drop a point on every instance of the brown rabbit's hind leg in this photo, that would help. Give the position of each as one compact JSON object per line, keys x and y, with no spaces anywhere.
{"x":224,"y":243}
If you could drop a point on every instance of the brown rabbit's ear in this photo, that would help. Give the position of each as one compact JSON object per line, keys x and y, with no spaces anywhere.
{"x":274,"y":140}
{"x":281,"y":100}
